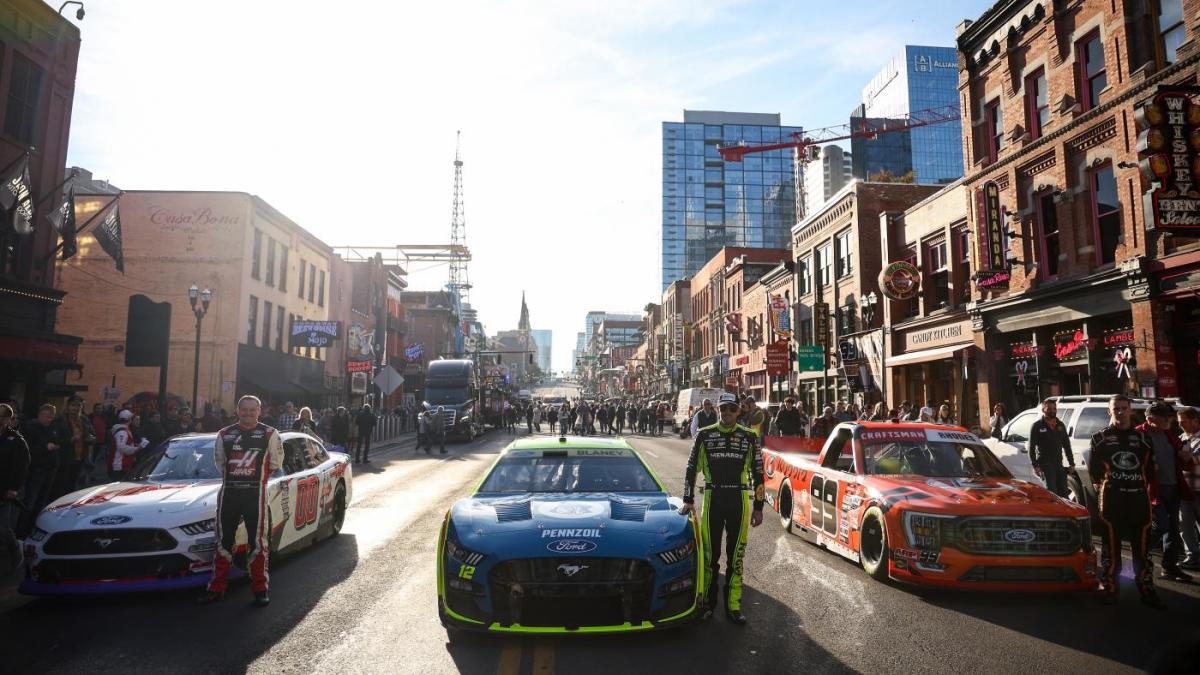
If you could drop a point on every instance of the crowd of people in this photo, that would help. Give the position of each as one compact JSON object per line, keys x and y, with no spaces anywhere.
{"x":589,"y":418}
{"x":792,"y":419}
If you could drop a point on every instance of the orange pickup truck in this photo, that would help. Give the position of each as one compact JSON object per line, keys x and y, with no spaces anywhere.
{"x":928,"y":504}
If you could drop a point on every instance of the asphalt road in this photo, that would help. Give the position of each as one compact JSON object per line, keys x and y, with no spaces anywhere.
{"x":365,"y":602}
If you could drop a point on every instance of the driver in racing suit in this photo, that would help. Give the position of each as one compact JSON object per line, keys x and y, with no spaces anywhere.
{"x":729,"y":456}
{"x":247,"y":454}
{"x":1121,"y":466}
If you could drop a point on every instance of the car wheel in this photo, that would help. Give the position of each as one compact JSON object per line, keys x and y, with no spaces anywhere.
{"x":785,"y":507}
{"x":339,"y":510}
{"x":873,"y":552}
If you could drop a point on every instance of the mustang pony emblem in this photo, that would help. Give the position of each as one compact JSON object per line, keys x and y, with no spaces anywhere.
{"x":105,"y":542}
{"x":571,"y":570}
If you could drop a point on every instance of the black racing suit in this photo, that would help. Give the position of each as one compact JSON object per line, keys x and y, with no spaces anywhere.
{"x":731,"y":461}
{"x":1122,"y":466}
{"x":246,"y":458}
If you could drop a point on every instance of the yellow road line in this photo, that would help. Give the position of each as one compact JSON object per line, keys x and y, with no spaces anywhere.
{"x":510,"y":658}
{"x":543,"y":657}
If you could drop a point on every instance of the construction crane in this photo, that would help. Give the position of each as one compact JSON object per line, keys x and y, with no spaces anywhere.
{"x":806,"y":142}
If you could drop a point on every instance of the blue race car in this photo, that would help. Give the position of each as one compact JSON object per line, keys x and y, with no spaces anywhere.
{"x":568,"y":535}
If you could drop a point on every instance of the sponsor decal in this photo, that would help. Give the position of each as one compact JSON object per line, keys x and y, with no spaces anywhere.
{"x":103,"y":497}
{"x":597,"y":452}
{"x":1020,"y":536}
{"x":285,"y":492}
{"x":111,"y":520}
{"x":922,"y":556}
{"x":892,"y":435}
{"x":570,"y":532}
{"x":571,"y":570}
{"x":307,"y":492}
{"x":1125,"y":460}
{"x":967,"y":484}
{"x":944,"y":436}
{"x":571,"y":546}
{"x":572,"y":510}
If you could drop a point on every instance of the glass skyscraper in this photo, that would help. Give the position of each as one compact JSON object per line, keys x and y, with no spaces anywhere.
{"x":709,"y":203}
{"x":918,"y":78}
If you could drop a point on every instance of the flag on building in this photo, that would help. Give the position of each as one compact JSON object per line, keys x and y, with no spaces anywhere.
{"x":16,"y":197}
{"x":63,"y":220}
{"x":108,"y":235}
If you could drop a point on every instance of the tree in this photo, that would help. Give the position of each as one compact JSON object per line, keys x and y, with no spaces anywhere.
{"x":886,"y":176}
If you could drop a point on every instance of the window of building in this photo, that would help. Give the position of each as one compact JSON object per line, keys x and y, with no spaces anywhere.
{"x":270,"y":262}
{"x":912,"y":306}
{"x":321,"y":291}
{"x":845,"y":253}
{"x":962,"y":270}
{"x":805,"y":332}
{"x":279,"y":328}
{"x":1048,"y":249}
{"x":1089,"y":55}
{"x":825,"y":264}
{"x":312,"y":281}
{"x":995,"y":129}
{"x":805,"y":275}
{"x":1106,"y":213}
{"x":937,"y":270}
{"x":255,"y":254}
{"x":252,"y":322}
{"x":1037,"y":103}
{"x":1170,"y":27}
{"x":24,"y":95}
{"x":283,"y":267}
{"x":303,"y":269}
{"x":266,"y":332}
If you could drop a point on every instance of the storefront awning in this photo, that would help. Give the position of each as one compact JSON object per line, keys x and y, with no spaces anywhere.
{"x":926,"y":355}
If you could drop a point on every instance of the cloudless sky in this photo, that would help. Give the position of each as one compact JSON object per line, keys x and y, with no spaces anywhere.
{"x":343,"y":116}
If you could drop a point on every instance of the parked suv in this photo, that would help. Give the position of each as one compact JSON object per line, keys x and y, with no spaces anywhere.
{"x":1084,"y":416}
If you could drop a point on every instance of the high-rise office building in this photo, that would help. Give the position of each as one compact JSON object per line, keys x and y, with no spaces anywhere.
{"x":830,"y":172}
{"x":709,"y":203}
{"x":918,"y":78}
{"x":543,"y":339}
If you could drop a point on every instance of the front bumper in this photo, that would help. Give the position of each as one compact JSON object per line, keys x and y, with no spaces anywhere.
{"x":951,"y":568}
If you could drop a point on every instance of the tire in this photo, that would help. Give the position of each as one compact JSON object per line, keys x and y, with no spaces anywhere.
{"x":785,"y":507}
{"x":339,"y":511}
{"x":873,"y":545}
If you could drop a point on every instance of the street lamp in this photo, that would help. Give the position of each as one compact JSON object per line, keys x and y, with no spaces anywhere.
{"x":868,"y":304}
{"x":199,"y":309}
{"x":78,"y":13}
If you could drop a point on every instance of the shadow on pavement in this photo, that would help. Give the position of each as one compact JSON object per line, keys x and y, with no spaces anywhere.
{"x":773,"y":642}
{"x":93,"y":634}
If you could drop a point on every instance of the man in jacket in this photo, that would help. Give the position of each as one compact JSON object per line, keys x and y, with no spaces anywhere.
{"x":365,"y":422}
{"x":1121,"y":466}
{"x":437,"y":429}
{"x":1169,"y":486}
{"x":787,"y":420}
{"x":753,"y":418}
{"x":44,"y":443}
{"x":79,"y":437}
{"x":731,"y":460}
{"x":823,"y":425}
{"x":706,"y":416}
{"x":14,"y":465}
{"x":339,"y":429}
{"x":125,"y":447}
{"x":1189,"y":511}
{"x":246,"y":455}
{"x":1048,"y":445}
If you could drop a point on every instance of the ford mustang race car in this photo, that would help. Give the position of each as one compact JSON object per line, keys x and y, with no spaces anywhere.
{"x":928,"y":504}
{"x":155,"y":531}
{"x":568,"y":535}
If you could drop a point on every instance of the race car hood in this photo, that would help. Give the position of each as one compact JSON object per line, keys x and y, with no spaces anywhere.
{"x":602,"y":524}
{"x":148,"y":504}
{"x":999,"y":496}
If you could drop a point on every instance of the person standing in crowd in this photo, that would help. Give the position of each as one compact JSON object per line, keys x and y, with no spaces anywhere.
{"x":529,"y":419}
{"x":171,"y":424}
{"x":339,"y":429}
{"x":304,"y":422}
{"x":943,"y":415}
{"x":365,"y":423}
{"x":1121,"y":466}
{"x":152,"y":430}
{"x":1189,"y":510}
{"x":247,"y":454}
{"x":564,"y":418}
{"x":187,"y":422}
{"x":423,"y":427}
{"x":437,"y":429}
{"x":537,"y":417}
{"x":602,"y":416}
{"x":879,"y":413}
{"x":211,"y":422}
{"x":753,"y":417}
{"x":14,"y":467}
{"x":706,"y":416}
{"x":269,"y":416}
{"x":823,"y":426}
{"x":125,"y":446}
{"x":841,"y":414}
{"x":1170,"y":487}
{"x":787,"y":420}
{"x":325,"y":424}
{"x":998,"y":421}
{"x":1048,"y":445}
{"x":78,"y":439}
{"x":552,"y":418}
{"x":44,"y":442}
{"x":288,"y":417}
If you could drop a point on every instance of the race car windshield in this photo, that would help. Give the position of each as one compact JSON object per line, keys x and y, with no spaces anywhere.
{"x":932,"y":459}
{"x":569,"y":474}
{"x":179,"y":459}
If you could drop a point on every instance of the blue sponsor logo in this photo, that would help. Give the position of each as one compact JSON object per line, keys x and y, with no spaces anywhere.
{"x":1020,"y":536}
{"x":111,"y":520}
{"x":571,"y":546}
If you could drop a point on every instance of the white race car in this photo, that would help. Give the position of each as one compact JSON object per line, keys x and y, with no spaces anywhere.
{"x":155,"y":531}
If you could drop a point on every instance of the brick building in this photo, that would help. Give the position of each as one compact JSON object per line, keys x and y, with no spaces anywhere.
{"x":838,"y":259}
{"x":764,"y":282}
{"x":1087,"y":297}
{"x":676,"y":317}
{"x":746,"y":303}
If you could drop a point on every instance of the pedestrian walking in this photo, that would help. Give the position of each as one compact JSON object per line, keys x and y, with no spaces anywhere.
{"x":1048,"y":446}
{"x":787,"y":420}
{"x":43,"y":440}
{"x":1189,"y":510}
{"x":339,"y":429}
{"x":552,"y":418}
{"x":602,"y":417}
{"x":437,"y":429}
{"x":247,"y":454}
{"x":529,"y":419}
{"x":705,"y":417}
{"x":1170,"y":486}
{"x":364,"y":422}
{"x":423,"y":427}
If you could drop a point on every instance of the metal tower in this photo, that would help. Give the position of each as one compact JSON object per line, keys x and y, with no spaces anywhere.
{"x":460,"y":282}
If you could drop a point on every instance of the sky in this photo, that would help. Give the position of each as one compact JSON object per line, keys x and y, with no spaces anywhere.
{"x":343,"y":116}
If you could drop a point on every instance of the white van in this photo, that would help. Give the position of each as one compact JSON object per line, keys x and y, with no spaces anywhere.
{"x":693,"y":398}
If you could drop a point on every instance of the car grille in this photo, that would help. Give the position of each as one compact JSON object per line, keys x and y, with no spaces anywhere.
{"x":572,"y":592}
{"x":95,"y":569}
{"x":1011,"y":574}
{"x":109,"y":541}
{"x":1015,"y":536}
{"x":450,"y":416}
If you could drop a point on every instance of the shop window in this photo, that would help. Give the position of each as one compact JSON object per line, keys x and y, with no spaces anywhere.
{"x":1089,"y":59}
{"x":1037,"y":103}
{"x":252,"y":322}
{"x":270,"y":262}
{"x":937,"y":270}
{"x":994,"y":119}
{"x":1170,"y":27}
{"x":266,"y":332}
{"x":1047,"y":215}
{"x":845,"y":253}
{"x":1106,"y":213}
{"x":24,"y":95}
{"x":255,"y":254}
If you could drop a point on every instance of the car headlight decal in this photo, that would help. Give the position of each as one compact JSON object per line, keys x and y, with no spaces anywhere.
{"x":199,"y":527}
{"x":38,"y":534}
{"x":461,"y":553}
{"x":678,"y":553}
{"x":927,"y":530}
